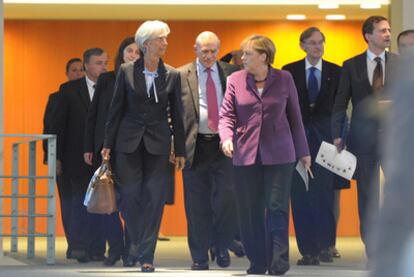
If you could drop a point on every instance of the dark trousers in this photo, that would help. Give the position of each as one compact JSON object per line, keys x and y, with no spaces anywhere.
{"x":209,"y":200}
{"x":313,"y":211}
{"x":106,"y":228}
{"x":80,"y":220}
{"x":262,"y":194}
{"x":142,"y":178}
{"x":65,"y":197}
{"x":367,"y":176}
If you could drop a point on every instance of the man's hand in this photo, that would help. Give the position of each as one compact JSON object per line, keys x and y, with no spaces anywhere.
{"x":59,"y":169}
{"x":87,"y":157}
{"x":339,"y":144}
{"x":227,"y":148}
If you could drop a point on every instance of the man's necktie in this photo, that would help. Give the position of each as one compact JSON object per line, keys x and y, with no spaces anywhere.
{"x":313,"y":88}
{"x":378,"y":77}
{"x":212,"y":106}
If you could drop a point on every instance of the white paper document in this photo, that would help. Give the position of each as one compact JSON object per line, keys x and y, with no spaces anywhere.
{"x":342,"y":164}
{"x":301,"y":169}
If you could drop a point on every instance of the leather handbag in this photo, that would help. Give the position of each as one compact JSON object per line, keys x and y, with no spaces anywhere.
{"x":100,"y":197}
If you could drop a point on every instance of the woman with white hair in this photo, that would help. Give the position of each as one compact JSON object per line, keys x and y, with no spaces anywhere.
{"x":147,"y":91}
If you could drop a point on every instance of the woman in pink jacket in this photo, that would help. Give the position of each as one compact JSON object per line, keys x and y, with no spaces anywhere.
{"x":261,"y":129}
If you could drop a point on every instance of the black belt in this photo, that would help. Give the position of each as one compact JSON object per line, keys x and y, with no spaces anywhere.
{"x":208,"y":137}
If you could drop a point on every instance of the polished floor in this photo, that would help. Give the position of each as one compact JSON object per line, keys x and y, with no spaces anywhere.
{"x":172,"y":259}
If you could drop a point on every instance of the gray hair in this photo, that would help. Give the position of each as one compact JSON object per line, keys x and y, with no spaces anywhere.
{"x":207,"y":35}
{"x":150,"y":29}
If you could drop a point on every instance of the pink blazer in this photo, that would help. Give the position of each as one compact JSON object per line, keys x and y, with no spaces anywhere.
{"x":270,"y":123}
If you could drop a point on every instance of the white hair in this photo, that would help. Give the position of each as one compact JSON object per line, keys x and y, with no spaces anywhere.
{"x":207,"y":36}
{"x":150,"y":29}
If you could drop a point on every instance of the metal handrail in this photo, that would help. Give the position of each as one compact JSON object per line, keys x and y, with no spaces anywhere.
{"x":31,"y":196}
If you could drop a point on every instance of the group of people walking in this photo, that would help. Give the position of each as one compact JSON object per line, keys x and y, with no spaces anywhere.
{"x":236,"y":134}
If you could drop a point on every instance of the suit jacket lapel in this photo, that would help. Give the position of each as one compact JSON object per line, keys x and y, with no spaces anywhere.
{"x":84,"y":93}
{"x":362,"y":71}
{"x":222,"y":78}
{"x":192,"y":81}
{"x":160,"y":81}
{"x":302,"y":88}
{"x":325,"y":82}
{"x":251,"y":86}
{"x":139,"y":77}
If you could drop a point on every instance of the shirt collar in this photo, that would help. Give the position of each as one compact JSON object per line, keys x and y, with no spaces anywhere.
{"x":371,"y":56}
{"x":89,"y":82}
{"x":202,"y":68}
{"x":309,"y":65}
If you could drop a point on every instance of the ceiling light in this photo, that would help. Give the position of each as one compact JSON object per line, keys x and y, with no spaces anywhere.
{"x":296,"y":17}
{"x":335,"y":17}
{"x":370,"y":6}
{"x":328,"y":6}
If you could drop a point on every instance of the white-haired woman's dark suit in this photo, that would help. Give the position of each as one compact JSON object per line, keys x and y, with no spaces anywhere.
{"x":138,"y":131}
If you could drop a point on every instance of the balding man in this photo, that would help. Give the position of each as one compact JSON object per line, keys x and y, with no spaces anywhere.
{"x":208,"y":184}
{"x":405,"y":43}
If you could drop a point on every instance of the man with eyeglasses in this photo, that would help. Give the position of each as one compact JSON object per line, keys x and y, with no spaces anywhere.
{"x":316,"y":81}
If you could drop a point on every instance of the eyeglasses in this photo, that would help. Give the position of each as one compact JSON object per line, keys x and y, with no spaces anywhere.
{"x":315,"y":43}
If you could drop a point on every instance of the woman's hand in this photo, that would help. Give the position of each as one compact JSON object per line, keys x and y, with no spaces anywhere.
{"x":306,"y":161}
{"x":227,"y":148}
{"x":106,"y":154}
{"x":179,"y":162}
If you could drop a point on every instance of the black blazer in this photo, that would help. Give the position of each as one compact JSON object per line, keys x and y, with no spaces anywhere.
{"x":190,"y":98}
{"x":134,"y":117}
{"x":354,"y":85}
{"x":98,"y":113}
{"x":319,"y":116}
{"x":69,"y":125}
{"x":48,"y":116}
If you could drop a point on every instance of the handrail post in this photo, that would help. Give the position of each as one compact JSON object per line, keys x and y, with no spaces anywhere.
{"x":51,"y":202}
{"x":31,"y":206}
{"x":15,"y":192}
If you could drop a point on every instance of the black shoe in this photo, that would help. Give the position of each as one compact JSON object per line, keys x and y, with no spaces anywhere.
{"x":334,"y":252}
{"x":97,"y":258}
{"x":147,"y":268}
{"x":223,"y":258}
{"x":257,"y":270}
{"x":130,"y":261}
{"x":237,"y":248}
{"x":80,"y":255}
{"x":325,"y":256}
{"x":199,"y":266}
{"x":111,"y":260}
{"x":308,"y":260}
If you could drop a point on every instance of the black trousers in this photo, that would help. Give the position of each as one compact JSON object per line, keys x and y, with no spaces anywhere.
{"x":142,"y":178}
{"x":81,"y":221}
{"x":65,"y":197}
{"x":209,"y":200}
{"x":367,"y":176}
{"x":313,"y":211}
{"x":262,"y":194}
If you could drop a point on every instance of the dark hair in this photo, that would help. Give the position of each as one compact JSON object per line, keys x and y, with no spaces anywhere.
{"x":119,"y":58}
{"x":309,"y":32}
{"x":368,"y":26}
{"x":91,"y":52}
{"x":404,"y":33}
{"x":71,"y":61}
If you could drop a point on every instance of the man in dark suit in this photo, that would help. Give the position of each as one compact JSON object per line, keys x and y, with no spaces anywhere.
{"x":74,"y":70}
{"x":69,"y":125}
{"x":362,"y":81}
{"x":316,"y":81}
{"x":208,"y":184}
